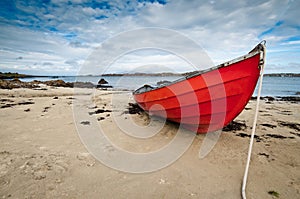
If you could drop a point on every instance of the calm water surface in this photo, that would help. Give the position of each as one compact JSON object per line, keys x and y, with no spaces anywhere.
{"x":272,"y":86}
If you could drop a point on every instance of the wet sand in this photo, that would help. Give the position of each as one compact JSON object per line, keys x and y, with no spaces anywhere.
{"x":41,"y":155}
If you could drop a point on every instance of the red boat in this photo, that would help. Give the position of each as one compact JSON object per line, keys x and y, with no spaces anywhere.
{"x":208,"y":100}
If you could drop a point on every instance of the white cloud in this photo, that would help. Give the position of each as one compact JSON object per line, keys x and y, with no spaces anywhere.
{"x":38,"y":50}
{"x":65,"y":34}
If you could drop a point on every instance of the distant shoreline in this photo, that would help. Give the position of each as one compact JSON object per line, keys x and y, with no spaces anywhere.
{"x":17,"y":75}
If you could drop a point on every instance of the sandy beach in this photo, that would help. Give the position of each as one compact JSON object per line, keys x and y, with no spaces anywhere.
{"x":42,"y":156}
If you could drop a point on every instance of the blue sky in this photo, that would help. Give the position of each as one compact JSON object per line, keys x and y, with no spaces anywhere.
{"x":55,"y":37}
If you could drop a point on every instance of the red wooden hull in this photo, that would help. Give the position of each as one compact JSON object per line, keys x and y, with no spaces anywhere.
{"x":206,"y":101}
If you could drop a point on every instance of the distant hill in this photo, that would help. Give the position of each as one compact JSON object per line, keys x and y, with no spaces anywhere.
{"x":12,"y":75}
{"x":191,"y":73}
{"x":141,"y":74}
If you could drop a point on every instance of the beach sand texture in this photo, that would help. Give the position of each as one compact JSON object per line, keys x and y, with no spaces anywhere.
{"x":41,"y":155}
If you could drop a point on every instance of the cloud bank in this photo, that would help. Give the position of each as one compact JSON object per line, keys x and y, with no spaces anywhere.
{"x":55,"y":37}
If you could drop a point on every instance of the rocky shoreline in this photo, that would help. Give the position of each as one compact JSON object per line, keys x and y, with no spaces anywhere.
{"x":278,"y":98}
{"x":16,"y":83}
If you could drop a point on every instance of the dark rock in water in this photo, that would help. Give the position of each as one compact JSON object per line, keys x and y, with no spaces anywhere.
{"x":297,"y":93}
{"x":162,"y":83}
{"x":103,"y":86}
{"x":235,"y":126}
{"x":102,"y":81}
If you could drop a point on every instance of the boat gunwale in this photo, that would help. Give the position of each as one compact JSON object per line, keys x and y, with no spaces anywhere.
{"x":197,"y":90}
{"x":252,"y":53}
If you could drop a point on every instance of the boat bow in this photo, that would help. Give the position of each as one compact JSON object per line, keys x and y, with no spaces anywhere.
{"x":207,"y":100}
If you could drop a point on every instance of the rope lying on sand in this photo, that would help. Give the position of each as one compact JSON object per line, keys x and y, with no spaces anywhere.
{"x":254,"y":125}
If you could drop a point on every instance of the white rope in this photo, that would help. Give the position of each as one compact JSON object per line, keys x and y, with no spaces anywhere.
{"x":253,"y":128}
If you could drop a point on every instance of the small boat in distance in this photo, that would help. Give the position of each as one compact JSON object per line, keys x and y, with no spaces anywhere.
{"x":207,"y":100}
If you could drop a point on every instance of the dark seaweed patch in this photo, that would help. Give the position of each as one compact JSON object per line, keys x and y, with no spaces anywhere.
{"x":85,"y":122}
{"x":25,"y":103}
{"x":6,"y":100}
{"x":294,"y":126}
{"x":278,"y":136}
{"x":7,"y":105}
{"x":244,"y":135}
{"x":273,"y":193}
{"x":46,"y":109}
{"x":13,"y":104}
{"x":269,"y":125}
{"x":264,"y":154}
{"x":235,"y":126}
{"x":297,"y":134}
{"x":101,"y":118}
{"x":266,"y":115}
{"x":99,"y":111}
{"x":133,"y":109}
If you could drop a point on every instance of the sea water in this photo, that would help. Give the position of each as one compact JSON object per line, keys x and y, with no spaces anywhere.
{"x":272,"y":86}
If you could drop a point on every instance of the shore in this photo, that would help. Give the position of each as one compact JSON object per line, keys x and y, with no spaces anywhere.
{"x":41,"y":155}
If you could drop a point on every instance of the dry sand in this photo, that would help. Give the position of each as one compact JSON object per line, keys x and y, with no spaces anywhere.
{"x":41,"y":155}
